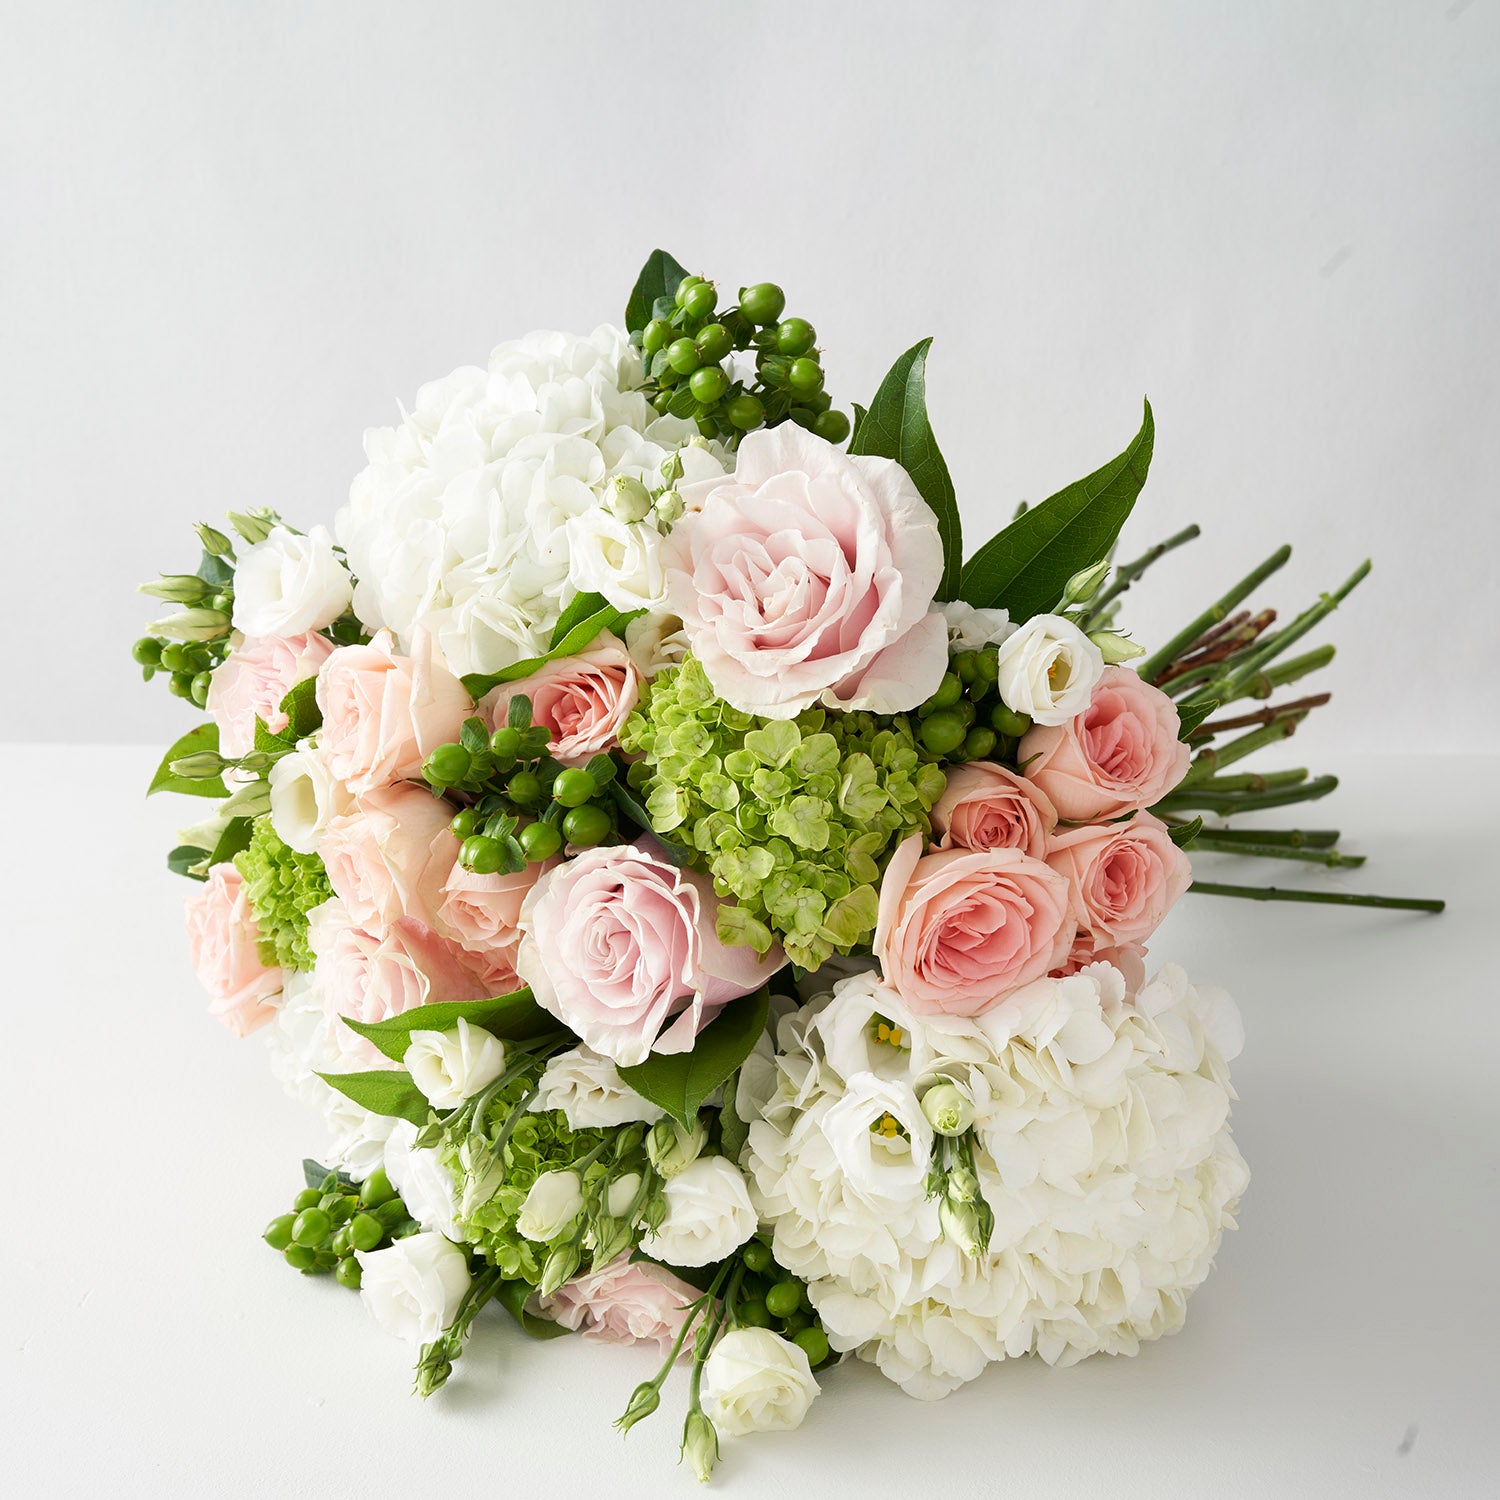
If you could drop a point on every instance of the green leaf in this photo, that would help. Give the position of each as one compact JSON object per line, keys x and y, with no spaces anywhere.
{"x":275,"y":745}
{"x":236,"y":836}
{"x":512,"y":1296}
{"x":896,"y":426}
{"x":681,"y":1081}
{"x":300,"y":706}
{"x":659,"y":278}
{"x":183,"y":859}
{"x":1193,"y":715}
{"x":576,"y":639}
{"x":204,"y":737}
{"x":860,"y":413}
{"x":733,"y":1131}
{"x":1027,"y":566}
{"x":382,"y":1093}
{"x":1183,"y":834}
{"x":580,"y":609}
{"x":315,"y":1174}
{"x":515,"y":1017}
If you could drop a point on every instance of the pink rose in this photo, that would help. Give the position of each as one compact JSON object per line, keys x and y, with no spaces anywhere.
{"x":807,"y":575}
{"x":1125,"y":877}
{"x":619,"y":944}
{"x":583,"y":700}
{"x":624,"y":1302}
{"x":1128,"y":958}
{"x":384,"y":713}
{"x":985,"y":806}
{"x":224,"y":948}
{"x":1120,"y":754}
{"x":373,"y":976}
{"x":251,"y":682}
{"x":391,"y":855}
{"x":959,"y":930}
{"x":482,"y":913}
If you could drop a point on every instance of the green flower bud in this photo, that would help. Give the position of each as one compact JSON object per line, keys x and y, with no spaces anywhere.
{"x":192,"y":625}
{"x":254,"y":526}
{"x":960,"y":1224}
{"x":215,"y":543}
{"x":669,"y":507}
{"x":1115,"y":648}
{"x":250,"y":801}
{"x":176,"y":588}
{"x":629,"y":500}
{"x":700,"y":1445}
{"x":1083,"y":586}
{"x":671,"y":1149}
{"x":433,"y":1372}
{"x":202,"y":766}
{"x":948,"y":1108}
{"x":561,"y":1265}
{"x":643,"y":1401}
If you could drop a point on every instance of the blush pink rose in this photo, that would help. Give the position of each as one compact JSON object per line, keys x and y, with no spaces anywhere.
{"x":624,"y":1302}
{"x":808,"y":575}
{"x":619,"y":944}
{"x":251,"y":682}
{"x":390,"y":856}
{"x":1120,"y":754}
{"x":958,"y":930}
{"x":224,"y":948}
{"x":482,"y":914}
{"x":1124,"y":877}
{"x":582,"y":700}
{"x":373,"y":976}
{"x":383,"y":713}
{"x":985,"y":806}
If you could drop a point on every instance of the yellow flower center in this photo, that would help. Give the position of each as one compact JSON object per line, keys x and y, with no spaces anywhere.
{"x":889,"y":1127}
{"x":892,"y":1036}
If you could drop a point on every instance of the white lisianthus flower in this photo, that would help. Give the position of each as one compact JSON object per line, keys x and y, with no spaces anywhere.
{"x":451,"y":1066}
{"x":971,"y":629}
{"x":288,"y":584}
{"x":1048,"y":669}
{"x":588,"y":1090}
{"x":553,"y":1203}
{"x":656,"y":641}
{"x":619,"y":559}
{"x":424,"y":1183}
{"x":413,"y":1288}
{"x":756,"y":1381}
{"x":708,"y":1215}
{"x":305,"y":798}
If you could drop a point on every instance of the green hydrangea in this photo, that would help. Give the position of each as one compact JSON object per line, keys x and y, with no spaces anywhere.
{"x":794,"y":819}
{"x":283,"y":886}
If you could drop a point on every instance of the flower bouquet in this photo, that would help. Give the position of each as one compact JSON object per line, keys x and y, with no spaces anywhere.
{"x":706,"y":909}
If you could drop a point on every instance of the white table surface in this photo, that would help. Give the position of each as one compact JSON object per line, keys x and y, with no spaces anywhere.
{"x":1345,"y":1346}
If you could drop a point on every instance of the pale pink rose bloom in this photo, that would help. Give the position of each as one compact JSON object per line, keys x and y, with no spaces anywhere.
{"x":223,"y":947}
{"x":390,"y":856}
{"x":253,"y":679}
{"x":582,"y":700}
{"x":1120,"y":754}
{"x":482,"y":914}
{"x":958,"y":930}
{"x":808,"y":575}
{"x":985,"y":806}
{"x":624,"y":1302}
{"x":374,"y":975}
{"x":619,"y":944}
{"x":384,"y":713}
{"x":1124,"y":877}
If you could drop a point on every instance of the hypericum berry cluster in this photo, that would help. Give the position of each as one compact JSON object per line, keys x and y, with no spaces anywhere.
{"x":965,"y":719}
{"x":769,"y":1297}
{"x":333,"y":1217}
{"x":191,"y":643}
{"x":520,"y":805}
{"x":793,"y":818}
{"x":688,"y":341}
{"x":282,"y":886}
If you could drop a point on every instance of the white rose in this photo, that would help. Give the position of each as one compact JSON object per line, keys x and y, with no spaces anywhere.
{"x":756,"y":1381}
{"x":305,"y":797}
{"x":708,"y":1215}
{"x":555,"y":1200}
{"x":413,"y":1289}
{"x":451,"y":1066}
{"x":1048,"y":669}
{"x":290,"y":584}
{"x":588,"y":1090}
{"x":971,"y":629}
{"x":424,"y":1183}
{"x":619,"y":559}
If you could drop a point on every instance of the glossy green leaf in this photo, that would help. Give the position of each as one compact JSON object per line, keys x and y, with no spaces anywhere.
{"x":513,"y":1296}
{"x":579,"y":610}
{"x":577,"y":639}
{"x":659,"y":278}
{"x":300,"y":706}
{"x":184,"y":859}
{"x":382,"y":1093}
{"x":1183,"y":834}
{"x":1193,"y":715}
{"x":515,"y":1017}
{"x":194,"y":742}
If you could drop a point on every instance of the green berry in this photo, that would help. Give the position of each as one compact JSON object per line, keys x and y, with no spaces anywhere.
{"x":832,"y":426}
{"x":987,"y":665}
{"x":300,"y":1257}
{"x":365,"y":1231}
{"x":943,"y":732}
{"x":448,"y":763}
{"x":950,"y":690}
{"x":978,"y":743}
{"x":762,"y":303}
{"x":1008,"y":722}
{"x":586,"y":826}
{"x":173,"y":656}
{"x":713,"y":343}
{"x":506,"y":741}
{"x":745,"y":412}
{"x":794,"y":1325}
{"x":700,"y":300}
{"x":784,"y":1299}
{"x":198,"y":688}
{"x":967,"y":665}
{"x":340,"y":1245}
{"x":708,"y":384}
{"x":706,"y":426}
{"x":482,"y":855}
{"x":539,"y":841}
{"x":757,"y":1256}
{"x":795,"y":336}
{"x":278,"y":1233}
{"x":803,"y":418}
{"x":307,"y":1198}
{"x":813,"y":1342}
{"x":525,"y":788}
{"x":311,"y":1227}
{"x":348,"y":1273}
{"x":464,"y":822}
{"x":147,"y":651}
{"x":753,"y":1313}
{"x":657,"y":332}
{"x":682,"y":355}
{"x":804,"y":374}
{"x":684,"y":287}
{"x":376,"y":1189}
{"x":573,"y":787}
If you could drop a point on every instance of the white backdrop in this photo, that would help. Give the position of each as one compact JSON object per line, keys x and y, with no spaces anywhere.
{"x":235,"y":235}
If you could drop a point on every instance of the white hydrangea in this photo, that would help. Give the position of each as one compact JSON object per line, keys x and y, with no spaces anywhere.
{"x":1102,"y":1146}
{"x":459,"y":522}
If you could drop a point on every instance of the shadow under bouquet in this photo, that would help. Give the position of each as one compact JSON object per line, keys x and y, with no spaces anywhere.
{"x":706,"y":909}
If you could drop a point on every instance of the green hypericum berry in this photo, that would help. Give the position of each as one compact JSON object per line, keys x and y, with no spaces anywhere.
{"x":348,"y":1273}
{"x":482,"y":855}
{"x":376,"y":1189}
{"x":307,"y":1198}
{"x":684,"y":287}
{"x":987,"y":665}
{"x":682,"y":355}
{"x":966,"y":663}
{"x":173,"y":657}
{"x":831,"y":426}
{"x":804,"y":374}
{"x":814,"y":1344}
{"x":1008,"y":722}
{"x":539,"y":841}
{"x":655,"y":336}
{"x":464,"y":822}
{"x":573,"y":787}
{"x":700,"y":300}
{"x":278,"y":1233}
{"x":300,"y":1257}
{"x":795,"y":336}
{"x":762,"y":303}
{"x":448,"y":763}
{"x":707,"y":427}
{"x":198,"y":689}
{"x":757,"y":1257}
{"x":586,"y":826}
{"x":365,"y":1231}
{"x":783,"y":1300}
{"x":713,"y":343}
{"x":224,"y":603}
{"x":147,"y":651}
{"x":950,"y":690}
{"x":745,"y":412}
{"x":506,"y":741}
{"x":978,"y":743}
{"x":525,"y":788}
{"x":661,"y":401}
{"x":311,"y":1227}
{"x":340,"y":1244}
{"x":943,"y":732}
{"x":708,"y":384}
{"x":753,"y":1313}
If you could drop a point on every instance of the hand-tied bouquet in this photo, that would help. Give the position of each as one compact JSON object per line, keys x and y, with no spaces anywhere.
{"x":707,"y":910}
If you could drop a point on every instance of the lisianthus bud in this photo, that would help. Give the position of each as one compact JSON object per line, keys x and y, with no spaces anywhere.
{"x":700,"y":1445}
{"x":255,"y":526}
{"x":645,"y":1399}
{"x":961,"y":1225}
{"x":620,"y":1198}
{"x":669,"y":507}
{"x":204,"y":765}
{"x":561,"y":1265}
{"x":215,"y":543}
{"x":629,"y":499}
{"x":1115,"y":648}
{"x":191,"y":625}
{"x":1083,"y":586}
{"x":671,"y":1148}
{"x":963,"y":1185}
{"x":176,"y":588}
{"x":252,"y":799}
{"x":432,"y":1375}
{"x":948,"y":1108}
{"x":554,"y":1201}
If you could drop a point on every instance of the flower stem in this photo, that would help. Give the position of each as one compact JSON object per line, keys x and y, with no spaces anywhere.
{"x":1212,"y":799}
{"x":1128,"y":573}
{"x":1300,"y":707}
{"x":1247,"y":781}
{"x":1322,"y":898}
{"x":1216,"y":845}
{"x":1295,"y":838}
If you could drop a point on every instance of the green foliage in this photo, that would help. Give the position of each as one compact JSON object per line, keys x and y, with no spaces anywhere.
{"x":204,"y":738}
{"x":514,"y":1017}
{"x":283,"y":887}
{"x":382,"y":1092}
{"x":577,"y":638}
{"x":659,"y":278}
{"x":794,"y":819}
